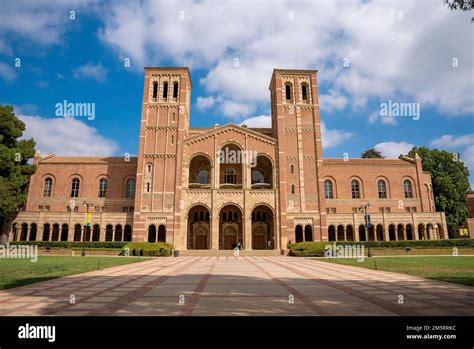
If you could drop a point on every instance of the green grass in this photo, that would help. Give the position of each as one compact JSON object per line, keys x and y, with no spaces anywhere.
{"x":459,"y":269}
{"x":19,"y":272}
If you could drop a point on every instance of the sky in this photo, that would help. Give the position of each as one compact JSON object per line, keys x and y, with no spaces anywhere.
{"x":371,"y":56}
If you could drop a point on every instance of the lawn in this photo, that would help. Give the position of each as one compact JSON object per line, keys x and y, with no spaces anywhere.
{"x":18,"y":272}
{"x":459,"y":269}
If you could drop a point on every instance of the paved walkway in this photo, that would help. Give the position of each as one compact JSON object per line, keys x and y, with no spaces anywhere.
{"x":238,"y":286}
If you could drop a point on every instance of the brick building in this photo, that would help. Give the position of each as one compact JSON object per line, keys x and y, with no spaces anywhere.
{"x":205,"y":188}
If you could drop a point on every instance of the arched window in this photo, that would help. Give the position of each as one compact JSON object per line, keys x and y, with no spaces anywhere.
{"x":407,"y":188}
{"x":48,"y":186}
{"x":174,"y":117}
{"x":382,"y":189}
{"x":257,"y":177}
{"x":102,"y":188}
{"x":292,"y":189}
{"x":230,"y":177}
{"x":149,"y":168}
{"x":172,"y":139}
{"x":130,"y":193}
{"x":75,"y":185}
{"x":175,"y":90}
{"x":288,"y":91}
{"x":155,"y":89}
{"x":292,"y":169}
{"x":148,"y":187}
{"x":202,"y":177}
{"x":328,"y":191}
{"x":165,"y":90}
{"x":304,"y":92}
{"x":355,"y":187}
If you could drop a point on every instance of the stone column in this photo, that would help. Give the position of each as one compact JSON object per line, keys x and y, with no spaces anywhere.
{"x":247,"y":231}
{"x":345,"y":233}
{"x":214,"y":228}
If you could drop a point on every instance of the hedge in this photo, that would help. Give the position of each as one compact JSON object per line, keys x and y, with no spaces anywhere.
{"x":147,"y":249}
{"x":308,"y":249}
{"x":73,"y":244}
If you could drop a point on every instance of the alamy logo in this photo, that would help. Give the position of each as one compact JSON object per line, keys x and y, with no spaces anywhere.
{"x":392,"y":109}
{"x":19,"y":251}
{"x":75,"y":109}
{"x":231,"y":156}
{"x":37,"y":332}
{"x":344,"y":251}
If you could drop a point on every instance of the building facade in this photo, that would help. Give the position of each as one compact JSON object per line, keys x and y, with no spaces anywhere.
{"x":209,"y":188}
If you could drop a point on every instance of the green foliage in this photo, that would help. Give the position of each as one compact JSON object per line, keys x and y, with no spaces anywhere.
{"x":463,"y":5}
{"x":316,"y":249}
{"x":148,"y":249}
{"x":15,"y":171}
{"x":450,"y":180}
{"x":73,"y":244}
{"x":371,"y":153}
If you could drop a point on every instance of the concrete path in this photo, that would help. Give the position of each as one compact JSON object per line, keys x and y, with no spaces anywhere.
{"x":226,"y":286}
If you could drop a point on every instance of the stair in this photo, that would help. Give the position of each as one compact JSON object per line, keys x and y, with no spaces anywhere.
{"x":242,"y":253}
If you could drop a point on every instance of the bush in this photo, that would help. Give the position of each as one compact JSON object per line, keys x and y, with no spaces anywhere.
{"x":316,"y":249}
{"x":73,"y":244}
{"x":154,"y":249}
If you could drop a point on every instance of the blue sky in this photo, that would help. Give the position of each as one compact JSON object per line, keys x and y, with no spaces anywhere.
{"x":367,"y":53}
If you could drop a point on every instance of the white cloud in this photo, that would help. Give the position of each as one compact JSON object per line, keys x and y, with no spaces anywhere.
{"x":467,"y":157}
{"x":332,"y":101}
{"x":333,"y":138}
{"x":7,"y":72}
{"x":385,"y":63}
{"x":204,"y":103}
{"x":451,"y":141}
{"x":66,"y":136}
{"x":386,"y":120}
{"x":261,"y":121}
{"x":89,"y":70}
{"x":392,"y":150}
{"x":236,"y":110}
{"x":42,"y":22}
{"x":228,"y":107}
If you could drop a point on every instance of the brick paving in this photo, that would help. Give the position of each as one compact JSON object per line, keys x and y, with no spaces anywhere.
{"x":226,"y":286}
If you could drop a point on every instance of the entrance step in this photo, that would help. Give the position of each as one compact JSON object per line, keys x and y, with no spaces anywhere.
{"x":242,"y":253}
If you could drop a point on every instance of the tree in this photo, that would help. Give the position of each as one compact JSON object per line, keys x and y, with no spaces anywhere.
{"x":15,"y":171}
{"x":372,"y":153}
{"x":463,"y":5}
{"x":450,"y":179}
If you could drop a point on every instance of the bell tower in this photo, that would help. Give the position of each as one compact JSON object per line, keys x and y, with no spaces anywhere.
{"x":296,"y":125}
{"x":164,"y":125}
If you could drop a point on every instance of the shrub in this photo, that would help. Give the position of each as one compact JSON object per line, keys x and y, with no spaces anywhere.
{"x":316,"y":249}
{"x":147,"y":249}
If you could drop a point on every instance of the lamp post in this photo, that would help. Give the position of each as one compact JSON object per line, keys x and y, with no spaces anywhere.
{"x":368,"y":224}
{"x":87,"y":225}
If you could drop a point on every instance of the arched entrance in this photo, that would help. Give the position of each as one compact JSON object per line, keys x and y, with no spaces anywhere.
{"x":409,"y":232}
{"x":263,"y":237}
{"x":151,"y":233}
{"x":392,"y":236}
{"x":421,"y":232}
{"x":362,"y":233}
{"x":230,"y":227}
{"x":161,"y":233}
{"x":400,"y":232}
{"x":340,"y":233}
{"x":350,"y":233}
{"x":308,"y":233}
{"x":299,"y":233}
{"x":198,"y":237}
{"x":380,"y":232}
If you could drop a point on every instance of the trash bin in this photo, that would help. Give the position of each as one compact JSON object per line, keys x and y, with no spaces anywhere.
{"x":176,"y":253}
